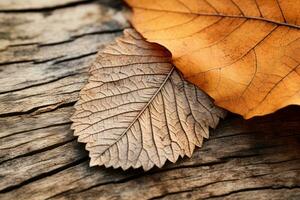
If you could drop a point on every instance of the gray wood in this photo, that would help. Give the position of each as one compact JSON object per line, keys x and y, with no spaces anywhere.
{"x":45,"y":51}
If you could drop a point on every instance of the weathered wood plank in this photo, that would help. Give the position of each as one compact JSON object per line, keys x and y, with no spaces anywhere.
{"x":27,"y":134}
{"x":56,"y":57}
{"x":14,"y":5}
{"x":242,"y":155}
{"x":45,"y":50}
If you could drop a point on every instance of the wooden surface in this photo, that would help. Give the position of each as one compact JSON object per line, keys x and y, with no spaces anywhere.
{"x":45,"y":50}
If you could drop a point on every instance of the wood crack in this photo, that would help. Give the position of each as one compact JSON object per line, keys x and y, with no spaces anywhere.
{"x":255,"y":189}
{"x":74,"y":37}
{"x":48,"y":9}
{"x":48,"y":148}
{"x":69,"y":74}
{"x":39,"y":109}
{"x":44,"y":175}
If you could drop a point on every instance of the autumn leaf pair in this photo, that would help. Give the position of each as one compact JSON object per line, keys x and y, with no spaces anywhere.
{"x":137,"y":110}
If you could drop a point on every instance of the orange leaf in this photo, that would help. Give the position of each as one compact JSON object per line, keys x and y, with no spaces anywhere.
{"x":244,"y":54}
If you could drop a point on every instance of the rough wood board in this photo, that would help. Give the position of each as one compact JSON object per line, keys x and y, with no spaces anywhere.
{"x":43,"y":62}
{"x":14,"y":5}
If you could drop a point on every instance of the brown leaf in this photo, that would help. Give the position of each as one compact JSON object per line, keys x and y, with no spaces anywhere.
{"x":244,"y":54}
{"x":137,"y":111}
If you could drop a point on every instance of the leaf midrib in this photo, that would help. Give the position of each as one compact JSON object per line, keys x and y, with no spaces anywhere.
{"x":143,"y":110}
{"x":223,"y":15}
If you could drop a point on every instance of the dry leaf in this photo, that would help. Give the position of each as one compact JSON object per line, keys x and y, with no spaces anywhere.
{"x":245,"y":54}
{"x":137,"y":111}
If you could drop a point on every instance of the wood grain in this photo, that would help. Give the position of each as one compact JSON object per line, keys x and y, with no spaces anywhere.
{"x":40,"y":77}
